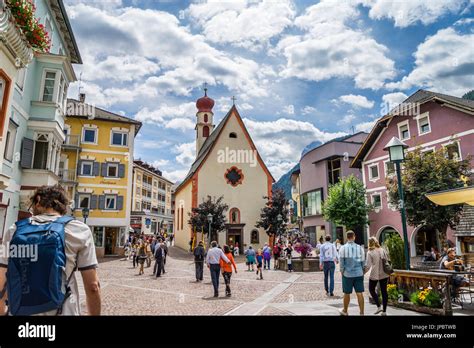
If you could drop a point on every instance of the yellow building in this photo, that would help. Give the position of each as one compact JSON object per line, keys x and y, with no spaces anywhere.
{"x":96,"y":168}
{"x":151,"y":200}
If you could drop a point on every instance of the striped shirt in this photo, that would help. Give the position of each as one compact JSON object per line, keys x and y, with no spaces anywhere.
{"x":328,"y":252}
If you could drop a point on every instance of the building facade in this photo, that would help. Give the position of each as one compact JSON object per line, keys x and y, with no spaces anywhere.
{"x":151,"y":200}
{"x":35,"y":114}
{"x":430,"y":121}
{"x":321,"y":167}
{"x":227,"y":164}
{"x":96,"y":167}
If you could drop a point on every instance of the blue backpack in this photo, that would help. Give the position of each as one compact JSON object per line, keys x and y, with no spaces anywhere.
{"x":35,"y":286}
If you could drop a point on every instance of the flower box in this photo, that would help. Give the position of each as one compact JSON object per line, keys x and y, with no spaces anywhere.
{"x":420,"y":309}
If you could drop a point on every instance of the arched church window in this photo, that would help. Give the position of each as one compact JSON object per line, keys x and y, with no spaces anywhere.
{"x":254,"y":237}
{"x":205,"y":118}
{"x":232,"y":135}
{"x":205,"y":131}
{"x":234,"y":216}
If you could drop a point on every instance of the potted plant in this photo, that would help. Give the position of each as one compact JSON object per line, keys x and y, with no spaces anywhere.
{"x":304,"y":249}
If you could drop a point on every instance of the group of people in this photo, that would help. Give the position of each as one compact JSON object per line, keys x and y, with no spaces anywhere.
{"x":142,"y":249}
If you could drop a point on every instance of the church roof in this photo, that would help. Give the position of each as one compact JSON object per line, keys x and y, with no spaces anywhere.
{"x":209,"y":144}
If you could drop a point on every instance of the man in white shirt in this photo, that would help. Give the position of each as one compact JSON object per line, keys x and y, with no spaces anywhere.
{"x":328,"y":257}
{"x":213,"y":257}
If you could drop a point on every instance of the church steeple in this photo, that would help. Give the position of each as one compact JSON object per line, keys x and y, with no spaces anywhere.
{"x":204,"y":122}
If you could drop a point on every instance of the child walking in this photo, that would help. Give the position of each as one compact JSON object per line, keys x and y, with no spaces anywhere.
{"x":259,"y":263}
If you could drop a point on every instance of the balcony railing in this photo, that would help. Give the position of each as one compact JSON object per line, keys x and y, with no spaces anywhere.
{"x":147,"y":186}
{"x":72,"y":140}
{"x":67,"y":175}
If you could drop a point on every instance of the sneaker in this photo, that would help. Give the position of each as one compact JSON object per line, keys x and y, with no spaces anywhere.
{"x":331,"y":294}
{"x":384,"y":314}
{"x":343,"y":313}
{"x":379,"y":309}
{"x":216,"y":295}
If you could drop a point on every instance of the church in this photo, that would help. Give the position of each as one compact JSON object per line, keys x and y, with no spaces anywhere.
{"x":227,"y":164}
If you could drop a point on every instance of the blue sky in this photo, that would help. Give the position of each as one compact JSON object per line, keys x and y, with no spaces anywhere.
{"x":301,"y":70}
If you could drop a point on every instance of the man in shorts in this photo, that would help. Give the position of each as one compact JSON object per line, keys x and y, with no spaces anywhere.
{"x":352,"y":263}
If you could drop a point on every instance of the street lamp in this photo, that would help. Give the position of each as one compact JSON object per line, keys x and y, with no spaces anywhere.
{"x":396,"y":149}
{"x":279,"y":219}
{"x":85,"y":214}
{"x":209,"y":219}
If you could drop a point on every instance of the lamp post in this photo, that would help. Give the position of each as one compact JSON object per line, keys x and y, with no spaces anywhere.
{"x":85,"y":214}
{"x":209,"y":219}
{"x":279,"y":219}
{"x":395,"y":148}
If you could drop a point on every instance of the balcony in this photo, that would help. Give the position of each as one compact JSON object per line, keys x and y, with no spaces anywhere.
{"x":67,"y":176}
{"x":146,"y":186}
{"x":72,"y":142}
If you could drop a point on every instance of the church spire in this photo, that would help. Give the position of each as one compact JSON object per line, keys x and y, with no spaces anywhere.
{"x":204,"y":115}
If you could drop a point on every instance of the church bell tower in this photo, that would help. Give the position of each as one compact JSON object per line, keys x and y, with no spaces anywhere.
{"x":204,"y":122}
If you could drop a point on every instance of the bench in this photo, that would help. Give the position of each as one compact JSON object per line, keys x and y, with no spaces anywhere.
{"x":411,"y":281}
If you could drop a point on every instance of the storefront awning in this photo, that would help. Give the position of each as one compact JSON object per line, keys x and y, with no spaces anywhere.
{"x":456,"y":196}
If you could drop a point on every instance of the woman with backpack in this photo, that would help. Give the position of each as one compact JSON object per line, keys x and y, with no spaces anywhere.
{"x":267,"y":256}
{"x":276,"y":255}
{"x":250,"y":255}
{"x":376,"y":258}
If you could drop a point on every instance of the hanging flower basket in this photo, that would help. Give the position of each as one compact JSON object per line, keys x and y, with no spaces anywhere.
{"x":23,"y":11}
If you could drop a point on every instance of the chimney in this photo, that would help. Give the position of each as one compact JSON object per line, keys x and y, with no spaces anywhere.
{"x":82,"y":97}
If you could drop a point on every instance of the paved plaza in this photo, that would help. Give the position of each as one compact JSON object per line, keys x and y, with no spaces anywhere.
{"x":124,"y":292}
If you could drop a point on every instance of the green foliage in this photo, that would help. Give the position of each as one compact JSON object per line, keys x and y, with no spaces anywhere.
{"x":425,"y":173}
{"x":269,"y":215}
{"x":346,"y":205}
{"x":395,"y":246}
{"x":469,"y":95}
{"x":198,"y":216}
{"x":426,"y":297}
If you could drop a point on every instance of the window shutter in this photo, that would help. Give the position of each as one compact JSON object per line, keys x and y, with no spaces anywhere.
{"x":27,"y":153}
{"x":79,"y":165}
{"x":102,"y":202}
{"x":95,"y":170}
{"x":121,"y":170}
{"x":94,"y":202}
{"x":103,"y":169}
{"x":119,"y":202}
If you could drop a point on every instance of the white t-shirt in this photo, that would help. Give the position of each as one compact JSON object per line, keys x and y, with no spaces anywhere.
{"x":80,"y":252}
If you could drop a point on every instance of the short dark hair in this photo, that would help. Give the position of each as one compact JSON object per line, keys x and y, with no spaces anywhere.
{"x":226,"y":249}
{"x":213,"y":244}
{"x":51,"y":197}
{"x":328,"y":238}
{"x":350,"y":234}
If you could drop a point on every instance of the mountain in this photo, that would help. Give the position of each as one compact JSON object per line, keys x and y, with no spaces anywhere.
{"x":284,"y":182}
{"x":311,"y":146}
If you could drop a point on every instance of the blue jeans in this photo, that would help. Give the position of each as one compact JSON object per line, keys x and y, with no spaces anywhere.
{"x":215,"y":274}
{"x":329,"y":267}
{"x":266,"y":263}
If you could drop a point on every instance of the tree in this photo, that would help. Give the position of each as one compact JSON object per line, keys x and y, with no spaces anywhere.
{"x":276,"y":205}
{"x":346,"y":205}
{"x":469,"y":95}
{"x":396,"y":250}
{"x":216,"y":207}
{"x":425,"y":173}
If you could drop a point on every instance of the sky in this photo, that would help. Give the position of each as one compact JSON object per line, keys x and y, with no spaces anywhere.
{"x":300,"y":71}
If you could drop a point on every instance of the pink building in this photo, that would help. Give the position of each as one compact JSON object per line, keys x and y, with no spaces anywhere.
{"x":428,"y":120}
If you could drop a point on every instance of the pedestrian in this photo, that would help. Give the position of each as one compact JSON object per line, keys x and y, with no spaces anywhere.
{"x":328,"y":258}
{"x":199,"y":255}
{"x":134,"y":254}
{"x":227,"y":269}
{"x":338,"y":245}
{"x":352,"y":263}
{"x":250,"y":256}
{"x":213,"y":257}
{"x":376,"y":257}
{"x":141,"y":254}
{"x":165,"y":254}
{"x":288,"y":251}
{"x":260,"y":259}
{"x":191,"y":245}
{"x":62,"y":245}
{"x":267,"y":256}
{"x":236,"y":249}
{"x":159,"y":255}
{"x":171,"y":239}
{"x":276,"y":255}
{"x":149,"y":254}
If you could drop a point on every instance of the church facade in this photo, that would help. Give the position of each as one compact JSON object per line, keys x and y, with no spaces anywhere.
{"x":227,"y":164}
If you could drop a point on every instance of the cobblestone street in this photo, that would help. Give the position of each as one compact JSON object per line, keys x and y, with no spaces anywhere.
{"x":124,"y":292}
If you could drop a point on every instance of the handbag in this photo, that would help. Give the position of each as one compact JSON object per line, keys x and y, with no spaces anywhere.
{"x":387,"y":267}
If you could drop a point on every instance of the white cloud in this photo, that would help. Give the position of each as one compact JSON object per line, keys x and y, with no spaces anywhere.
{"x":365,"y":126}
{"x":175,"y":175}
{"x":346,"y":120}
{"x":443,"y":63}
{"x":159,"y":163}
{"x":241,"y":22}
{"x":186,"y":153}
{"x":289,"y":109}
{"x":394,"y":98}
{"x":308,"y":110}
{"x":406,"y":13}
{"x":358,"y":101}
{"x":330,"y":48}
{"x":181,"y":116}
